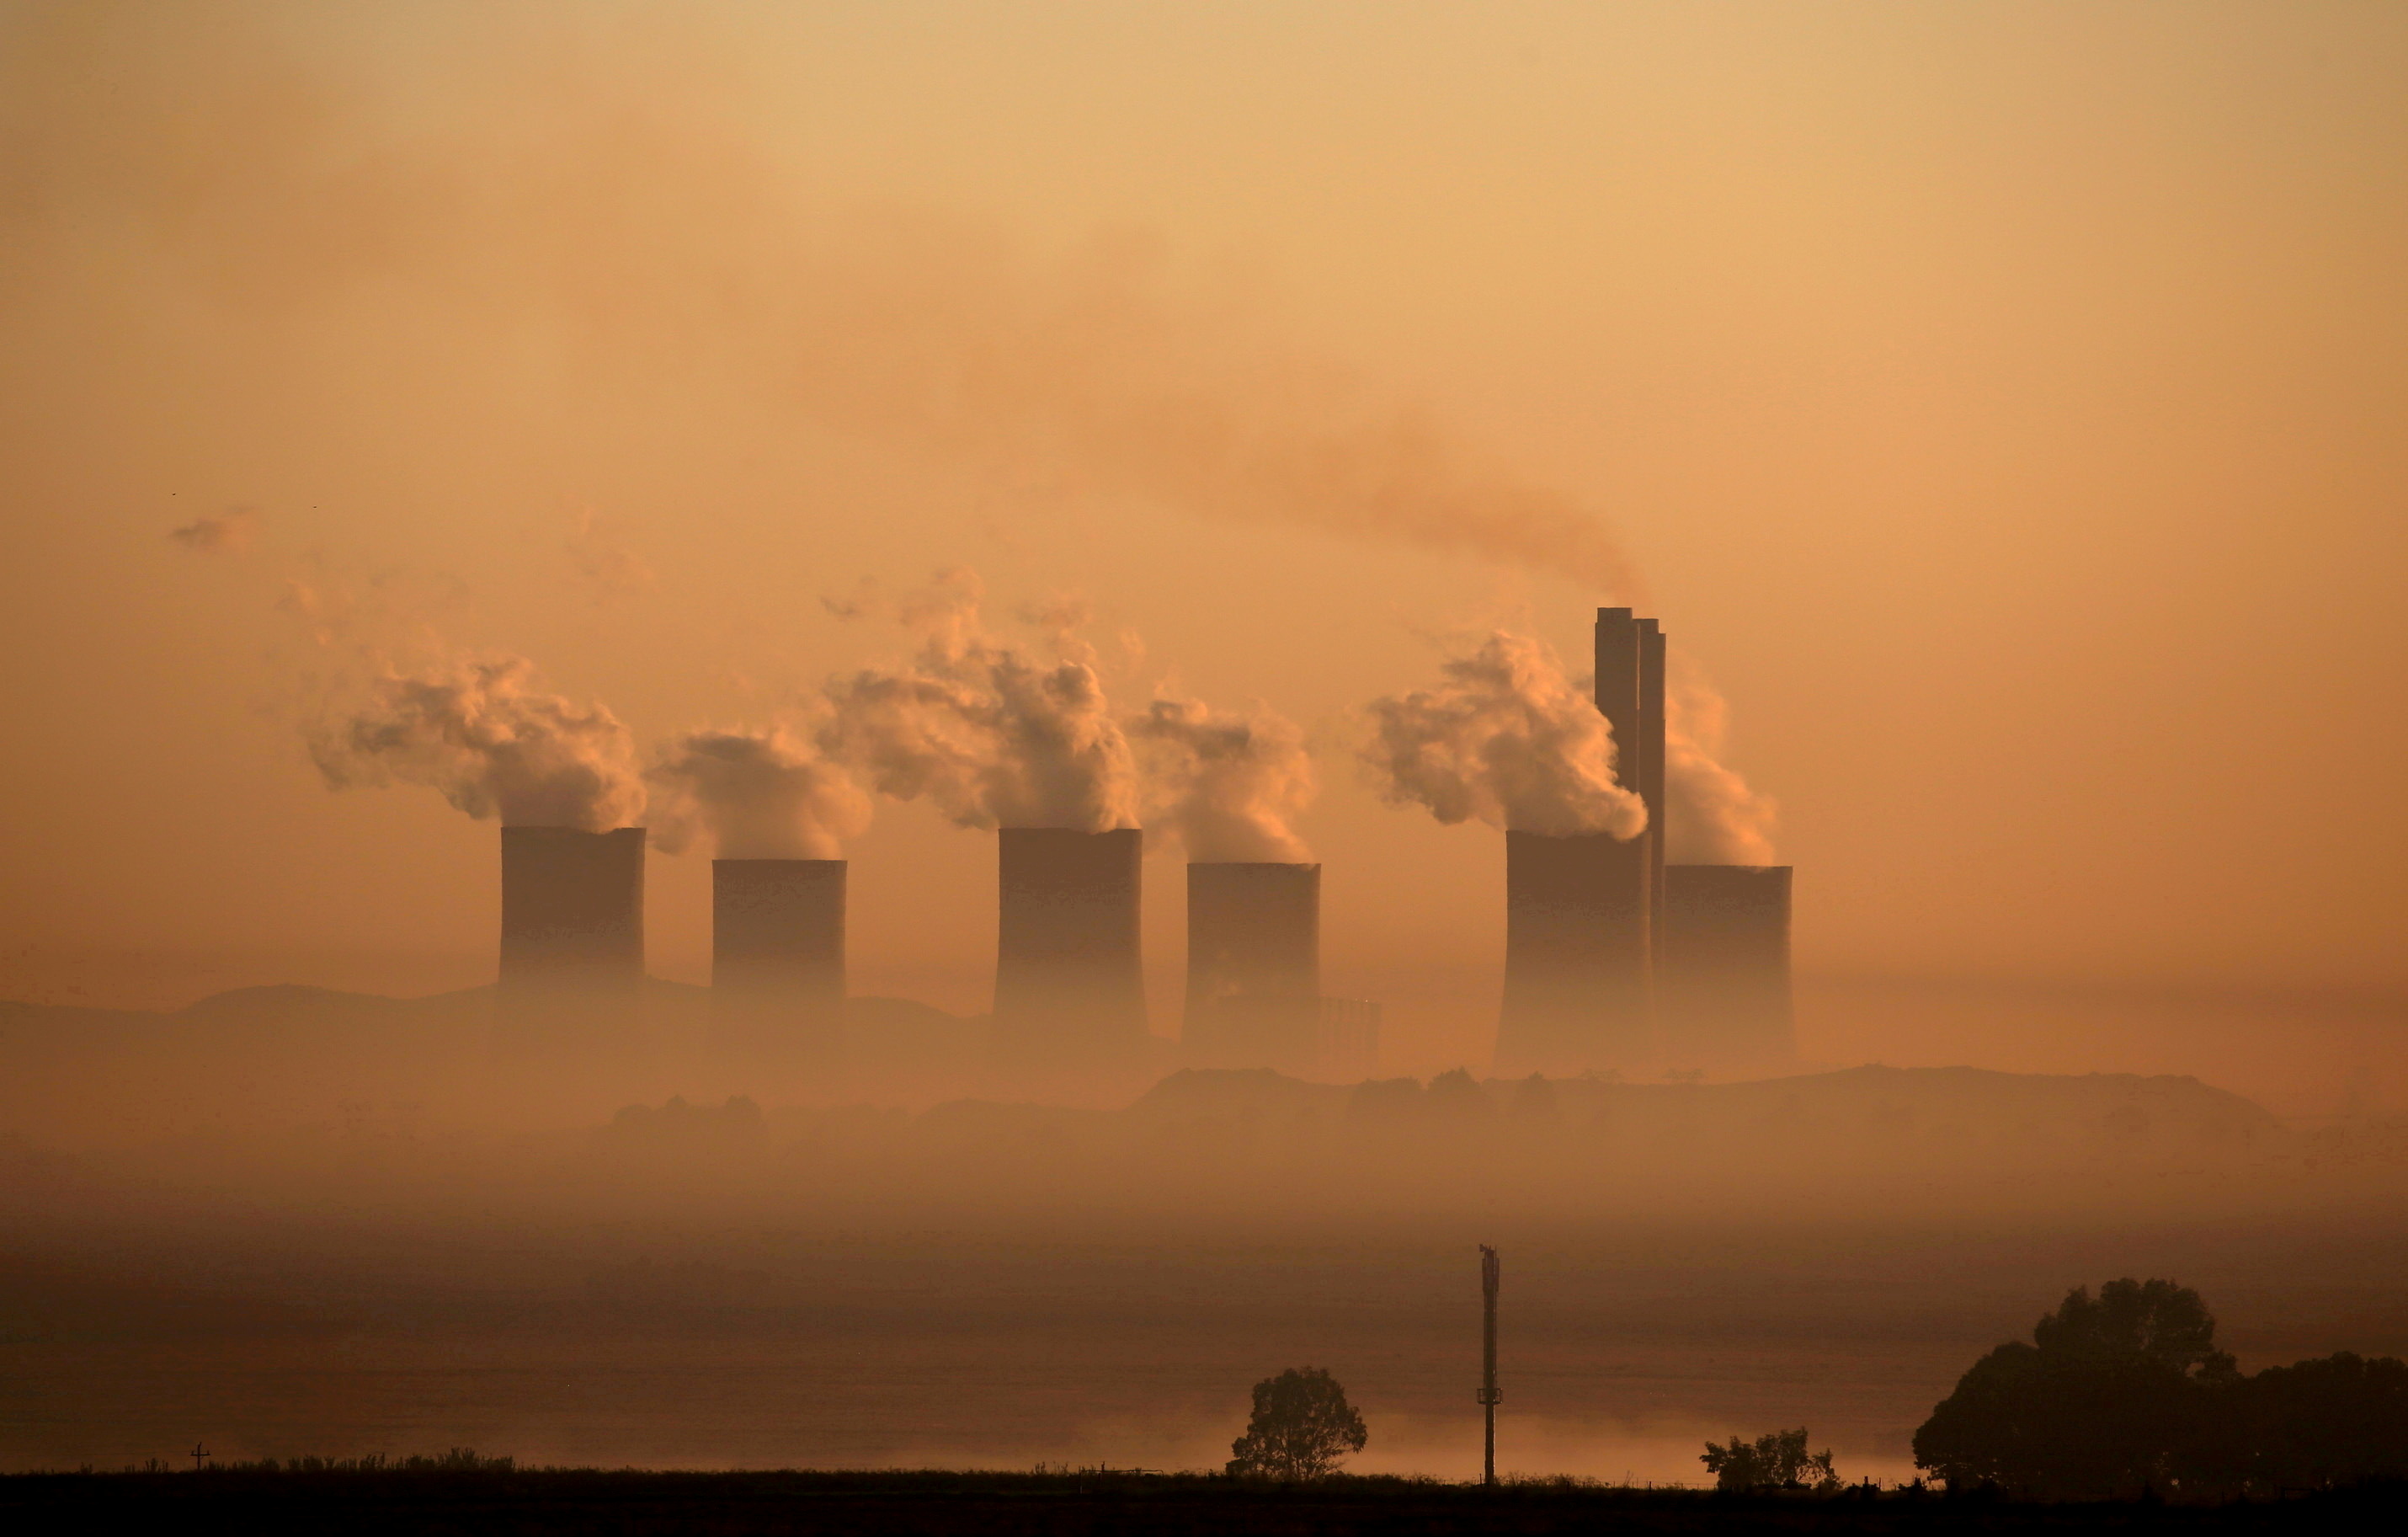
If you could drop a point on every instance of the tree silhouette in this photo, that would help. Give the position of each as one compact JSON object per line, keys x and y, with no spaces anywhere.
{"x":1302,"y":1426}
{"x":2156,"y":1321}
{"x":2322,"y":1423}
{"x":2104,"y":1402}
{"x":2126,"y":1392}
{"x":1776,"y":1461}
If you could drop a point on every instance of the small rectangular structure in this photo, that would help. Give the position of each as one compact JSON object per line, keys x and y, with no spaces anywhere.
{"x":1070,"y":984}
{"x":1725,"y":987}
{"x":572,"y":913}
{"x":1577,"y":954}
{"x":1253,"y":966}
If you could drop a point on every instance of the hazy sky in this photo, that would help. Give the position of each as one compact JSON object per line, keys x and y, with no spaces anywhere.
{"x":2002,"y":404}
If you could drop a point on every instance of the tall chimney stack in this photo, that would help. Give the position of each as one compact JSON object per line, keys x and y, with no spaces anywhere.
{"x":1631,"y":697}
{"x":1253,"y":966}
{"x":1069,"y":984}
{"x":572,"y":914}
{"x":1647,"y":772}
{"x":777,"y":951}
{"x":1583,"y":914}
{"x":1725,"y":987}
{"x":1577,"y":953}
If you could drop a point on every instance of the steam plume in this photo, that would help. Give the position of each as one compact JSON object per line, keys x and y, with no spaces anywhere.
{"x":1504,"y":736}
{"x":1711,"y":817}
{"x":644,"y":225}
{"x":219,"y":533}
{"x":1226,"y":786}
{"x":481,"y":732}
{"x":753,"y":795}
{"x":993,"y":736}
{"x":645,"y":220}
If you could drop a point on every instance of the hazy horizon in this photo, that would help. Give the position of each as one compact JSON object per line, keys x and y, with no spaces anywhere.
{"x":843,"y":429}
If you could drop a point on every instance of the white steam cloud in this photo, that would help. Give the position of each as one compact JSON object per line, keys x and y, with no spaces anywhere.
{"x":753,"y":795}
{"x":1711,"y":817}
{"x":481,"y":733}
{"x":993,"y":736}
{"x":1507,"y":738}
{"x":626,"y":209}
{"x":1225,"y":786}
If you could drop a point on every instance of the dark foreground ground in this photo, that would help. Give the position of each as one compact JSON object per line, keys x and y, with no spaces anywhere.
{"x":989,"y":1504}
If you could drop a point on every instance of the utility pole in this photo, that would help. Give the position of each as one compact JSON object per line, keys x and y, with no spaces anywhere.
{"x":199,"y":1453}
{"x":1488,"y":1394}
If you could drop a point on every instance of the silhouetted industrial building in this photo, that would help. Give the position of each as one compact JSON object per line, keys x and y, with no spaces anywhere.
{"x":777,"y":954}
{"x":1069,"y":986}
{"x":1253,"y":966}
{"x":1581,"y":935}
{"x":572,"y":914}
{"x":1614,"y":958}
{"x":1578,"y":954}
{"x":1724,"y":990}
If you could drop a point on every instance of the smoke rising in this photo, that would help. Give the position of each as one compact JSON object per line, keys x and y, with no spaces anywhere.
{"x":1507,"y":738}
{"x":1711,"y":816}
{"x":622,"y":214}
{"x":482,"y":734}
{"x":1225,"y":786}
{"x":993,"y":736}
{"x":753,"y":795}
{"x":229,"y":532}
{"x":628,"y":209}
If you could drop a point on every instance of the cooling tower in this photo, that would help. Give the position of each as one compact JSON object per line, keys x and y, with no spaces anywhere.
{"x":1725,"y":986}
{"x":1253,"y":966}
{"x":777,"y":932}
{"x":572,"y":913}
{"x":1577,"y":953}
{"x":1069,"y":987}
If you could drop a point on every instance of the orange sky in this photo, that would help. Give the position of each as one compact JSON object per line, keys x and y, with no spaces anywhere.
{"x":2002,"y":404}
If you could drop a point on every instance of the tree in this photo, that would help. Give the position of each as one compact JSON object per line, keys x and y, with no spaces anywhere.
{"x":2126,"y":1392}
{"x":2322,"y":1423}
{"x":2156,"y":1321}
{"x":1775,"y":1461}
{"x":2109,"y":1398}
{"x":1302,"y":1426}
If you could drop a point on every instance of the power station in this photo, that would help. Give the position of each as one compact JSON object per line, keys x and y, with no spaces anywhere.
{"x":1614,"y":958}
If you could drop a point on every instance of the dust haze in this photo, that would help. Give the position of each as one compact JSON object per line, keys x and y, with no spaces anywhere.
{"x":438,"y":425}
